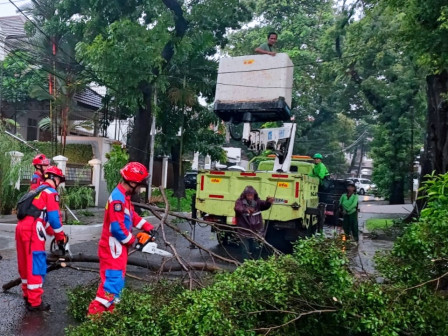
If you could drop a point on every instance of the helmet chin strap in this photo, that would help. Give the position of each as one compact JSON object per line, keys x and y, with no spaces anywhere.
{"x":132,"y":188}
{"x":56,"y":185}
{"x":41,"y":169}
{"x":51,"y":177}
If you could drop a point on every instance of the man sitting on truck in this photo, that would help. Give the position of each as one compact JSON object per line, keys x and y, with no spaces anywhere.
{"x":248,"y":210}
{"x":268,"y":47}
{"x":319,"y":169}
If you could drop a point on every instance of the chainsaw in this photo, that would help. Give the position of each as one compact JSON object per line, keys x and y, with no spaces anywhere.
{"x":146,"y":244}
{"x":62,"y":250}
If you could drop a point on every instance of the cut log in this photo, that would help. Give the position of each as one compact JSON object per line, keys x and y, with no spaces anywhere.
{"x":55,"y":263}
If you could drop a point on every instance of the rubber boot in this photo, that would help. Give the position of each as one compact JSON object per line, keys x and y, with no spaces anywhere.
{"x":41,"y":307}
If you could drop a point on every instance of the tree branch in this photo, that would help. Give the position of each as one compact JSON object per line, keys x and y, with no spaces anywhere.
{"x":162,"y":225}
{"x":269,"y":329}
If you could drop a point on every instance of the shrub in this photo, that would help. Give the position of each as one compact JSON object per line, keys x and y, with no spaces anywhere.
{"x":421,"y":253}
{"x":116,"y":159}
{"x":185,"y":202}
{"x":9,"y":173}
{"x":77,"y":197}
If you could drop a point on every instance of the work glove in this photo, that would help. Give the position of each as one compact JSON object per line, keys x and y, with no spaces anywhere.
{"x":142,"y":239}
{"x":62,"y":243}
{"x":154,"y":234}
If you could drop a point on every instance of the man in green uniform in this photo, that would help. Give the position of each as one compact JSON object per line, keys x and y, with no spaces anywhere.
{"x":319,"y":169}
{"x":349,"y":207}
{"x":268,"y":47}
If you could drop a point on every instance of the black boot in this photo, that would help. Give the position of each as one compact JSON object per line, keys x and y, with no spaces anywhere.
{"x":27,"y":304}
{"x":41,"y":307}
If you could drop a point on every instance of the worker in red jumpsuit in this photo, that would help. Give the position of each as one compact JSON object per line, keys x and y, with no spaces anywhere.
{"x":40,"y":163}
{"x":116,"y":237}
{"x":31,"y":233}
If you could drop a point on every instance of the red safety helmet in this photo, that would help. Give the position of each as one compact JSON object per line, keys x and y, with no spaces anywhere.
{"x":134,"y":172}
{"x":54,"y":171}
{"x":41,"y":159}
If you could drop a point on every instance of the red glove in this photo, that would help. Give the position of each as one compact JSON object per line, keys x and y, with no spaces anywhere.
{"x":59,"y":236}
{"x":62,"y":242}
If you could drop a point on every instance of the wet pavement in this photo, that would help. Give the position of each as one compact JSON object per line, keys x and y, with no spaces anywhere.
{"x":15,"y":320}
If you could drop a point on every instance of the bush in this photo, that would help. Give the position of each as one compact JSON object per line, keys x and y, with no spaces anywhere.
{"x":116,"y":159}
{"x":421,"y":253}
{"x":185,"y":202}
{"x":9,"y":173}
{"x":77,"y":197}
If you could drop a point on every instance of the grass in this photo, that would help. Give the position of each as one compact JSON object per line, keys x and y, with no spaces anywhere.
{"x":185,"y":203}
{"x":379,"y":224}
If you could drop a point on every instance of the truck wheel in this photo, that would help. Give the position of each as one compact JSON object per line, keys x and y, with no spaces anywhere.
{"x":276,"y":238}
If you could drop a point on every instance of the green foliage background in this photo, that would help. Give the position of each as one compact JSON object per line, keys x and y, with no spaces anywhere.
{"x":76,"y":153}
{"x":116,"y":159}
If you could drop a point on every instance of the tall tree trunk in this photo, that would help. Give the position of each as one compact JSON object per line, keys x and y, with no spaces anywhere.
{"x":435,"y":155}
{"x":397,"y":192}
{"x":140,"y":136}
{"x":178,"y":181}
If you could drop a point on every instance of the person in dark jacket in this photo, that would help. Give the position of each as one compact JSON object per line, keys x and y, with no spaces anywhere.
{"x":248,"y":208}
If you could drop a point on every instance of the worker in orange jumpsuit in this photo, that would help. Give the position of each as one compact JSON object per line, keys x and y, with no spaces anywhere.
{"x":40,"y":163}
{"x":117,"y":237}
{"x":42,"y":218}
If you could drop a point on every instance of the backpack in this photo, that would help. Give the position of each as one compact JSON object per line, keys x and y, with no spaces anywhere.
{"x":25,"y":205}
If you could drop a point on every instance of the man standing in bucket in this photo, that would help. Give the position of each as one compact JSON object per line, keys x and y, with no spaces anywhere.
{"x":268,"y":48}
{"x":116,"y":237}
{"x":42,"y":217}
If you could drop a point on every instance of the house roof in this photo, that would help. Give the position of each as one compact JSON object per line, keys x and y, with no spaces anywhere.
{"x":12,"y":27}
{"x":89,"y":98}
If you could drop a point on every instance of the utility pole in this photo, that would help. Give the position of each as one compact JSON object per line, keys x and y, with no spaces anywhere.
{"x":151,"y":153}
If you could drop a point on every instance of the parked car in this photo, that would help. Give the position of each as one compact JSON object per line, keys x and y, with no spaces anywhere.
{"x":363,"y":185}
{"x":190,"y":179}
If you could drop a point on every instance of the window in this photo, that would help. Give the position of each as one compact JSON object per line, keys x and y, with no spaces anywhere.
{"x":31,"y":131}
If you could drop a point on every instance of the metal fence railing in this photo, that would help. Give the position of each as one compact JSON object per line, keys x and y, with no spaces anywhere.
{"x":75,"y":174}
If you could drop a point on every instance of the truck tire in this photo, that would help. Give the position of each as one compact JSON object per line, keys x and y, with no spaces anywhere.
{"x":276,"y":237}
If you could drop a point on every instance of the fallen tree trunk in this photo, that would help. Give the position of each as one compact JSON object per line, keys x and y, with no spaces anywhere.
{"x":220,"y":227}
{"x":57,"y":263}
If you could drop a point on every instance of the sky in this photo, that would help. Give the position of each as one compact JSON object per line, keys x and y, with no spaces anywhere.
{"x":7,"y":9}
